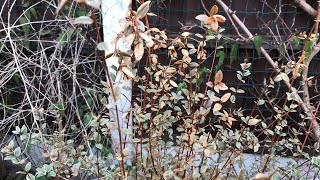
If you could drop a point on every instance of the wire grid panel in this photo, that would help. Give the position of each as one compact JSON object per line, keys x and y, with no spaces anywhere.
{"x":274,"y":21}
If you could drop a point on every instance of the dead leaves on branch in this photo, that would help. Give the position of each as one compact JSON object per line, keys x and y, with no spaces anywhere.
{"x":136,"y":35}
{"x":227,"y":118}
{"x":138,"y":51}
{"x":299,"y":66}
{"x":135,"y":32}
{"x":294,"y":68}
{"x":213,"y":20}
{"x":218,"y":84}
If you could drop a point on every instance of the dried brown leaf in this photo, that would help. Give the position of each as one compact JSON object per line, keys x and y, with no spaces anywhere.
{"x":214,"y":25}
{"x":217,"y":107}
{"x":128,"y":72}
{"x":218,"y":77}
{"x":214,"y":10}
{"x":170,"y":70}
{"x":216,"y":88}
{"x":220,"y":18}
{"x":225,"y":97}
{"x":185,"y":52}
{"x":138,"y":51}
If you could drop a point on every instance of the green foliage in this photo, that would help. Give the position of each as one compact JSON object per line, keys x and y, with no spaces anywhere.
{"x":25,"y":27}
{"x":28,"y":15}
{"x":257,"y":41}
{"x":66,"y":36}
{"x":309,"y":45}
{"x":203,"y":72}
{"x":221,"y":56}
{"x":282,"y":49}
{"x":234,"y":52}
{"x":58,"y":108}
{"x":296,"y":40}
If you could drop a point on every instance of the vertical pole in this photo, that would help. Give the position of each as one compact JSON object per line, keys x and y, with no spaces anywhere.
{"x":112,"y":12}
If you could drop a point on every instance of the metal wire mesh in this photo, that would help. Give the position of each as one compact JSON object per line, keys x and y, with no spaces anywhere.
{"x":274,"y":21}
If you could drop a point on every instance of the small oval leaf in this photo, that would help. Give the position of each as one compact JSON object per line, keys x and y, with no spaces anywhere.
{"x":202,"y":18}
{"x":214,"y":10}
{"x":253,"y":122}
{"x":83,"y":20}
{"x":143,"y":9}
{"x":174,"y":84}
{"x":218,"y":77}
{"x":102,"y":46}
{"x":128,"y":72}
{"x":27,"y":167}
{"x":138,"y":51}
{"x":185,"y":52}
{"x":217,"y":107}
{"x":225,"y":97}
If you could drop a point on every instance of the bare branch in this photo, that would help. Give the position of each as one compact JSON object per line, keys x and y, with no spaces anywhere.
{"x":246,"y":30}
{"x":305,"y":87}
{"x":306,"y":7}
{"x":316,"y":49}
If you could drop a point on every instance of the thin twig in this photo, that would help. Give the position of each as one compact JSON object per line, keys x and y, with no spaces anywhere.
{"x":316,"y":127}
